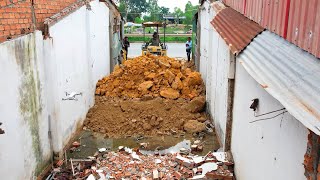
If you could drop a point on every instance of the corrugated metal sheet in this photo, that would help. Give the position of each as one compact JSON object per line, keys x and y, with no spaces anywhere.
{"x":304,"y":25}
{"x":238,"y":5}
{"x":236,"y":29}
{"x":275,"y":16}
{"x":270,"y":14}
{"x":254,"y":10}
{"x":288,"y":73}
{"x":217,"y":6}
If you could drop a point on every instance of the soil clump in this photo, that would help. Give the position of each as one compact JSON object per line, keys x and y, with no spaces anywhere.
{"x":116,"y":117}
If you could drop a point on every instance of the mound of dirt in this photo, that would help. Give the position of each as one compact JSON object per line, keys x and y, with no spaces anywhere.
{"x":116,"y":117}
{"x":152,"y":76}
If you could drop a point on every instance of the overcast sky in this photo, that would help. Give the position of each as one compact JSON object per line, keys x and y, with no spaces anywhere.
{"x":176,"y":3}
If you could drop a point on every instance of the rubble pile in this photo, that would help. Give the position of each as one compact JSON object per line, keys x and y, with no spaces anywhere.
{"x":115,"y":117}
{"x":152,"y":76}
{"x":131,"y":164}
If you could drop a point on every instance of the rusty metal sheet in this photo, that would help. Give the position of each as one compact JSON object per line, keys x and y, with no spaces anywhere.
{"x":237,"y":30}
{"x":275,"y":16}
{"x":288,"y":73}
{"x":254,"y":10}
{"x":270,"y":14}
{"x":304,"y":25}
{"x":238,"y":5}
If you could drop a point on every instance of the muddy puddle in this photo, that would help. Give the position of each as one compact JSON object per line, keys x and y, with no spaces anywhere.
{"x":92,"y":141}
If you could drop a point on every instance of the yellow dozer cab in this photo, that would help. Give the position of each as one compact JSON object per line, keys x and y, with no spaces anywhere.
{"x":160,"y":48}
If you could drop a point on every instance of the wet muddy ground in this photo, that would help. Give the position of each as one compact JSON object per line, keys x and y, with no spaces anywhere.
{"x":90,"y":142}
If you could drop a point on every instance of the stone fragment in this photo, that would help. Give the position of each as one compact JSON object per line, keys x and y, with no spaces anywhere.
{"x":177,"y":84}
{"x":169,"y":76}
{"x":145,"y":86}
{"x":193,"y":126}
{"x":170,"y":93}
{"x":147,"y":126}
{"x":175,"y":64}
{"x":196,"y":105}
{"x":164,"y":64}
{"x":194,"y":78}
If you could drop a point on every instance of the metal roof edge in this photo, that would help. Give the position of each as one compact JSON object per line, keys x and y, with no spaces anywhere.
{"x":288,"y":73}
{"x":237,"y":30}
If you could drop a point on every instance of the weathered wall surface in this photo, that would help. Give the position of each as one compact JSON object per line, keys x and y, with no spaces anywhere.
{"x":19,"y":17}
{"x":36,"y":73}
{"x":269,"y":149}
{"x":204,"y":41}
{"x":79,"y":48}
{"x":214,"y":67}
{"x":25,"y":146}
{"x":217,"y":92}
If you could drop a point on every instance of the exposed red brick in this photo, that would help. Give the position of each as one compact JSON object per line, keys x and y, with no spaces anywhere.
{"x":311,"y":158}
{"x":16,"y":16}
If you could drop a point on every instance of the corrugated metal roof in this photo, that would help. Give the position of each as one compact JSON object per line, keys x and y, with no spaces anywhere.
{"x":298,"y":21}
{"x":217,"y":6}
{"x":275,"y":16}
{"x":288,"y":73}
{"x":238,"y":5}
{"x":253,"y":10}
{"x":304,"y":25}
{"x":236,"y":29}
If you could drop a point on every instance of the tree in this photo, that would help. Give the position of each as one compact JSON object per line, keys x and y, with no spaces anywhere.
{"x":190,"y":10}
{"x":138,"y":20}
{"x":178,"y":13}
{"x":163,"y":11}
{"x":154,"y":10}
{"x":130,"y":9}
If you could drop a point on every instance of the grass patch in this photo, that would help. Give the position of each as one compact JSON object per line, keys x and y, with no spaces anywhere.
{"x":168,"y":39}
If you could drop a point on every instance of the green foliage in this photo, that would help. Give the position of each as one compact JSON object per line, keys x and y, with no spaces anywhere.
{"x":190,"y":10}
{"x":168,"y":39}
{"x":178,"y":13}
{"x":130,"y":9}
{"x":154,"y":10}
{"x":138,"y":20}
{"x":163,"y":11}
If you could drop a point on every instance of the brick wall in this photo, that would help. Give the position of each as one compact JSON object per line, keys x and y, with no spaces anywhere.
{"x":15,"y":18}
{"x":18,"y":17}
{"x":47,"y":8}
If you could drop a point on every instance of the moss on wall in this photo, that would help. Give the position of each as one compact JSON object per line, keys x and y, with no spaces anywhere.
{"x":29,"y":91}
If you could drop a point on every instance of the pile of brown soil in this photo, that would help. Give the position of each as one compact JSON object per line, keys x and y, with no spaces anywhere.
{"x":152,"y":76}
{"x":116,"y":117}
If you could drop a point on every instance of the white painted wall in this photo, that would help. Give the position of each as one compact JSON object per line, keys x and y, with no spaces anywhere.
{"x":204,"y":41}
{"x":271,"y":149}
{"x":221,"y":62}
{"x":36,"y":73}
{"x":25,"y":142}
{"x":214,"y":67}
{"x":79,"y":56}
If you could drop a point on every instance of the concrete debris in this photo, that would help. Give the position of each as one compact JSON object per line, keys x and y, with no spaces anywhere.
{"x":131,"y":164}
{"x":153,"y":76}
{"x":76,"y":144}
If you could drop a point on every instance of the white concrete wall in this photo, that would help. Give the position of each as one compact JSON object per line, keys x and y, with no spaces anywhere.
{"x":79,"y":50}
{"x":217,"y":94}
{"x":25,"y":145}
{"x":215,"y":61}
{"x":35,"y":74}
{"x":270,"y":149}
{"x":204,"y":38}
